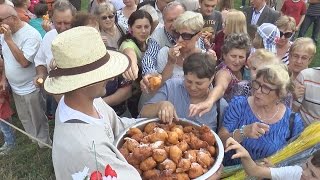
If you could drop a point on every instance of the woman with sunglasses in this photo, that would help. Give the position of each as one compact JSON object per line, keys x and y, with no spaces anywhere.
{"x":187,"y":32}
{"x":110,"y":31}
{"x":261,"y":122}
{"x":286,"y":26}
{"x":133,"y":44}
{"x":124,"y":13}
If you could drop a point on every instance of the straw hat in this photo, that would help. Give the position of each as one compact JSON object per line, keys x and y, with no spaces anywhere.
{"x":82,"y":59}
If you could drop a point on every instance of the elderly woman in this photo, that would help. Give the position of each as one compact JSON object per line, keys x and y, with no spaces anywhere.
{"x":261,"y":122}
{"x":286,"y":26}
{"x":187,"y":32}
{"x":124,"y":13}
{"x":173,"y":99}
{"x":235,"y":22}
{"x":110,"y":31}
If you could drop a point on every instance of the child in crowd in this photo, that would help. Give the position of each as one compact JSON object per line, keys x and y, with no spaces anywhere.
{"x":296,"y":9}
{"x":40,"y":10}
{"x":310,"y":170}
{"x":5,"y":114}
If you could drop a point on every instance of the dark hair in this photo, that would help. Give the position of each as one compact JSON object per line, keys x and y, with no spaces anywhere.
{"x":225,"y":4}
{"x":316,"y":159}
{"x":139,"y":14}
{"x":236,"y":41}
{"x":83,"y":19}
{"x":40,"y":9}
{"x":200,"y":64}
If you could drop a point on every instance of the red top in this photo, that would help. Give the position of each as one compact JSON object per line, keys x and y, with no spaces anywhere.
{"x":218,"y":43}
{"x":294,"y":9}
{"x":5,"y":109}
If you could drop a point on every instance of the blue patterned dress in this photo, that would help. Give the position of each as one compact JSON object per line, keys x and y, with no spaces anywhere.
{"x":239,"y":113}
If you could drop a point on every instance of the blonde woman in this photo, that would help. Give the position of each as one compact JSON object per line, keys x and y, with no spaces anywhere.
{"x":286,"y":26}
{"x":235,"y":23}
{"x":187,"y":32}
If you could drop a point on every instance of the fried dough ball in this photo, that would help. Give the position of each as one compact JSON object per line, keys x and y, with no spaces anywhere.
{"x":155,"y":82}
{"x":148,"y":164}
{"x":168,"y":164}
{"x":131,"y":143}
{"x":133,"y":131}
{"x":195,"y":171}
{"x":183,"y":146}
{"x":182,"y":176}
{"x":167,"y":149}
{"x":133,"y":160}
{"x":142,"y":152}
{"x":175,"y":154}
{"x":150,"y":127}
{"x":196,"y":143}
{"x":151,"y":174}
{"x":207,"y":135}
{"x":138,"y":137}
{"x":183,"y":165}
{"x":204,"y":158}
{"x":173,"y":137}
{"x":124,"y":151}
{"x":157,"y":145}
{"x":158,"y":135}
{"x":137,"y":167}
{"x":186,"y":137}
{"x":191,"y":155}
{"x":212,"y":150}
{"x":159,"y":155}
{"x":179,"y":131}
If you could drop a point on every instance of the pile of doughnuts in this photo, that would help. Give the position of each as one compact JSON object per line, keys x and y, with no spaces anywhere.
{"x":170,"y":151}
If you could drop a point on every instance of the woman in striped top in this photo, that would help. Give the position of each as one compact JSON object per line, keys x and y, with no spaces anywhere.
{"x":287,"y":27}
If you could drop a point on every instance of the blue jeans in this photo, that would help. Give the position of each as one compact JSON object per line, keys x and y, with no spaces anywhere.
{"x":51,"y":105}
{"x":8,"y":134}
{"x":308,"y":20}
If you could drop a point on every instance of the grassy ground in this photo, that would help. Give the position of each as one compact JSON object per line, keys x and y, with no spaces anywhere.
{"x":27,"y":161}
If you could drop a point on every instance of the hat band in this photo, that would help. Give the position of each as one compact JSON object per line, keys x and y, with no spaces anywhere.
{"x":80,"y":69}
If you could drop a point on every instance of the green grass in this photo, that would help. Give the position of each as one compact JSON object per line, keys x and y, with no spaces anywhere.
{"x":28,"y":162}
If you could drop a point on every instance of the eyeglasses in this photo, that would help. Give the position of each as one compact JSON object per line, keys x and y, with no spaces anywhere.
{"x":264,"y":89}
{"x":2,"y":19}
{"x":185,"y":36}
{"x":107,"y":17}
{"x":303,"y":58}
{"x":286,"y":35}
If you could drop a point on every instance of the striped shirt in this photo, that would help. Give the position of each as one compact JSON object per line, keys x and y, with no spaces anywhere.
{"x":310,"y":103}
{"x":313,"y":10}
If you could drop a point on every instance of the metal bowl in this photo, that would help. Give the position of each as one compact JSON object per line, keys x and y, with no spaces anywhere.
{"x":184,"y":122}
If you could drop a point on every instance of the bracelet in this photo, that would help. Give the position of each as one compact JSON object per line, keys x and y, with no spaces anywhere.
{"x":242,"y":132}
{"x":234,"y":133}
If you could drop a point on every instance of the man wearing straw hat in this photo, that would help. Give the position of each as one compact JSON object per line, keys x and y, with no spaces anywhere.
{"x":85,"y":126}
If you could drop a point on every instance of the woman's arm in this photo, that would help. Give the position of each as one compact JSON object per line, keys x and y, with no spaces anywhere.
{"x":164,"y":110}
{"x":132,"y":72}
{"x":119,"y":96}
{"x":222,"y":79}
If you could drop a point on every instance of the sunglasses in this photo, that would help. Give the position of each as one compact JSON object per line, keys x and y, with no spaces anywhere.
{"x":185,"y":36}
{"x":286,"y":35}
{"x":2,"y":19}
{"x":107,"y":17}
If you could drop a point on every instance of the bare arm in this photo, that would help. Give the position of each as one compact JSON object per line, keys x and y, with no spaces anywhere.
{"x":222,"y":81}
{"x":167,"y":71}
{"x":301,"y":20}
{"x":17,"y":53}
{"x":119,"y":96}
{"x":132,"y":72}
{"x":150,"y":110}
{"x":314,"y":1}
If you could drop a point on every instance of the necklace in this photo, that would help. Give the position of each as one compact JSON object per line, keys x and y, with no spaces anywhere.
{"x":263,"y":120}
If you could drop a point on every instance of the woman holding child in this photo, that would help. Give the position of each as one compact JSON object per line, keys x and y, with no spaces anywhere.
{"x":261,"y":122}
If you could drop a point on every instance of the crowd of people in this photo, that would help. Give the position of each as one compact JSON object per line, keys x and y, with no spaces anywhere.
{"x":245,"y":74}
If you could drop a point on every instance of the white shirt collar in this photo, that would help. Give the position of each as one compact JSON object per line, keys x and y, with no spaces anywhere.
{"x":260,"y":11}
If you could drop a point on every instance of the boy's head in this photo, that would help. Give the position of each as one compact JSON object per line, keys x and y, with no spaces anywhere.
{"x":300,"y":54}
{"x":311,"y":170}
{"x":260,"y":58}
{"x":40,"y":10}
{"x":207,"y":6}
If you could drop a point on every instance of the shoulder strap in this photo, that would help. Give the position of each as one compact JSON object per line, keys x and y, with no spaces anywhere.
{"x":75,"y":121}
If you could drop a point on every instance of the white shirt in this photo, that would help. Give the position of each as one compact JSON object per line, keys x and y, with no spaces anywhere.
{"x":256,"y":15}
{"x":118,"y":4}
{"x":159,"y":13}
{"x":286,"y":173}
{"x":66,"y":113}
{"x":44,"y":55}
{"x":28,"y":40}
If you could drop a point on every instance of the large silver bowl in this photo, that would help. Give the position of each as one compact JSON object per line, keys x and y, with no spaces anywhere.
{"x":184,"y":122}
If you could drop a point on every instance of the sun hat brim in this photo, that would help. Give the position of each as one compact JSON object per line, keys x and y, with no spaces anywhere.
{"x":117,"y":64}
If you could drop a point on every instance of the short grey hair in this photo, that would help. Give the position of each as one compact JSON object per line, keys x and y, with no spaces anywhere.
{"x":104,"y":7}
{"x":236,"y":41}
{"x":63,"y":5}
{"x":172,"y":5}
{"x":189,"y":20}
